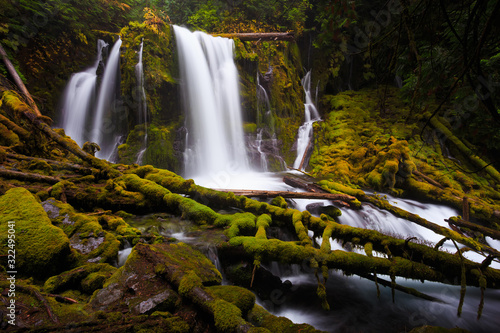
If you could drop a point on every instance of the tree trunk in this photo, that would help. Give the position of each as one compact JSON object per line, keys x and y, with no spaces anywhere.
{"x":260,"y":36}
{"x":18,"y":81}
{"x":291,"y":195}
{"x":33,"y":177}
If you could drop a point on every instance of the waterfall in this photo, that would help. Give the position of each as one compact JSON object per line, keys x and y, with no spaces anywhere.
{"x":78,"y":97}
{"x":142,"y":111}
{"x":211,"y":96}
{"x":258,"y":142}
{"x":103,"y":125}
{"x":305,"y":133}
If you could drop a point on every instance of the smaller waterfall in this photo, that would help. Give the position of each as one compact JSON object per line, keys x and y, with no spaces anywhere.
{"x":78,"y":97}
{"x":305,"y":133}
{"x":142,"y":111}
{"x":103,"y":126}
{"x":263,"y":160}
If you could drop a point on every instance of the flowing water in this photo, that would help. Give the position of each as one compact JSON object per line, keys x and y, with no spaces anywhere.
{"x":104,"y":128}
{"x":305,"y":134}
{"x":78,"y":97}
{"x":211,"y":96}
{"x":140,"y":98}
{"x":215,"y":157}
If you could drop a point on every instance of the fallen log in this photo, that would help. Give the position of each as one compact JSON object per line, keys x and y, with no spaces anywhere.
{"x":33,"y":177}
{"x":291,"y":195}
{"x":259,"y":36}
{"x":54,"y":164}
{"x":473,"y":226}
{"x":18,"y":81}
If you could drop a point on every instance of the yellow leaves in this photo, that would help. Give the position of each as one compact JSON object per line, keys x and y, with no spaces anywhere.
{"x":82,"y":38}
{"x":123,"y":6}
{"x":155,"y":20}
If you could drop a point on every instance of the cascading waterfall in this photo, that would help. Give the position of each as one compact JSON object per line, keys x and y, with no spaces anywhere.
{"x":142,"y":111}
{"x":211,"y":95}
{"x":103,"y":126}
{"x":78,"y":97}
{"x":305,"y":133}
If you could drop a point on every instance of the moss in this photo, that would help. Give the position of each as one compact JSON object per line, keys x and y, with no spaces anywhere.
{"x":250,"y":128}
{"x":279,"y":202}
{"x":259,"y":317}
{"x":241,"y":297}
{"x":86,"y":278}
{"x":41,"y":248}
{"x":227,"y":316}
{"x":188,"y":282}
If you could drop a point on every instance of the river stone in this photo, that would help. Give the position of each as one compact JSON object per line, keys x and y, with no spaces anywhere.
{"x":141,"y":285}
{"x":41,"y":249}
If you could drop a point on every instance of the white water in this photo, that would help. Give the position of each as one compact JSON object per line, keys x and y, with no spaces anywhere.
{"x":305,"y":133}
{"x":211,"y":96}
{"x":142,"y":111}
{"x":355,"y":306}
{"x":103,"y":125}
{"x":78,"y":97}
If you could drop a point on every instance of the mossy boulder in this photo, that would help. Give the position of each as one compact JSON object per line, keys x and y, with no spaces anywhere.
{"x":142,"y":285}
{"x":88,"y":239}
{"x":41,"y":249}
{"x":87,"y":278}
{"x":241,"y":297}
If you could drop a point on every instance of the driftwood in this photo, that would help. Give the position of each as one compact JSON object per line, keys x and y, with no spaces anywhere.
{"x":18,"y":81}
{"x":260,"y":36}
{"x":291,"y":195}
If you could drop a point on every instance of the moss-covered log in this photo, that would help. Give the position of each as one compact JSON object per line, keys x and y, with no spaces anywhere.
{"x":54,"y":164}
{"x":19,"y":81}
{"x":473,"y":226}
{"x":28,"y":176}
{"x":291,"y":195}
{"x":478,"y":162}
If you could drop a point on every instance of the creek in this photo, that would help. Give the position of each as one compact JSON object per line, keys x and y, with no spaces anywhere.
{"x":215,"y":156}
{"x":216,"y":146}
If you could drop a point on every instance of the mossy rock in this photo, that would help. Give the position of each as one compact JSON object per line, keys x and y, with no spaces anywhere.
{"x":241,"y":297}
{"x":142,"y":284}
{"x":87,"y":237}
{"x":87,"y":278}
{"x":41,"y":248}
{"x":260,"y":317}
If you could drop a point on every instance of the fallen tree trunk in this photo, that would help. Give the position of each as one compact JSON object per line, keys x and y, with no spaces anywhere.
{"x":260,"y":36}
{"x":56,"y":164}
{"x":291,"y":195}
{"x":33,"y":177}
{"x":472,"y":226}
{"x":18,"y":81}
{"x":71,"y":146}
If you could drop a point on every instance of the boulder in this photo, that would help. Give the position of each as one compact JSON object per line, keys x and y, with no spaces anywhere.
{"x":41,"y":249}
